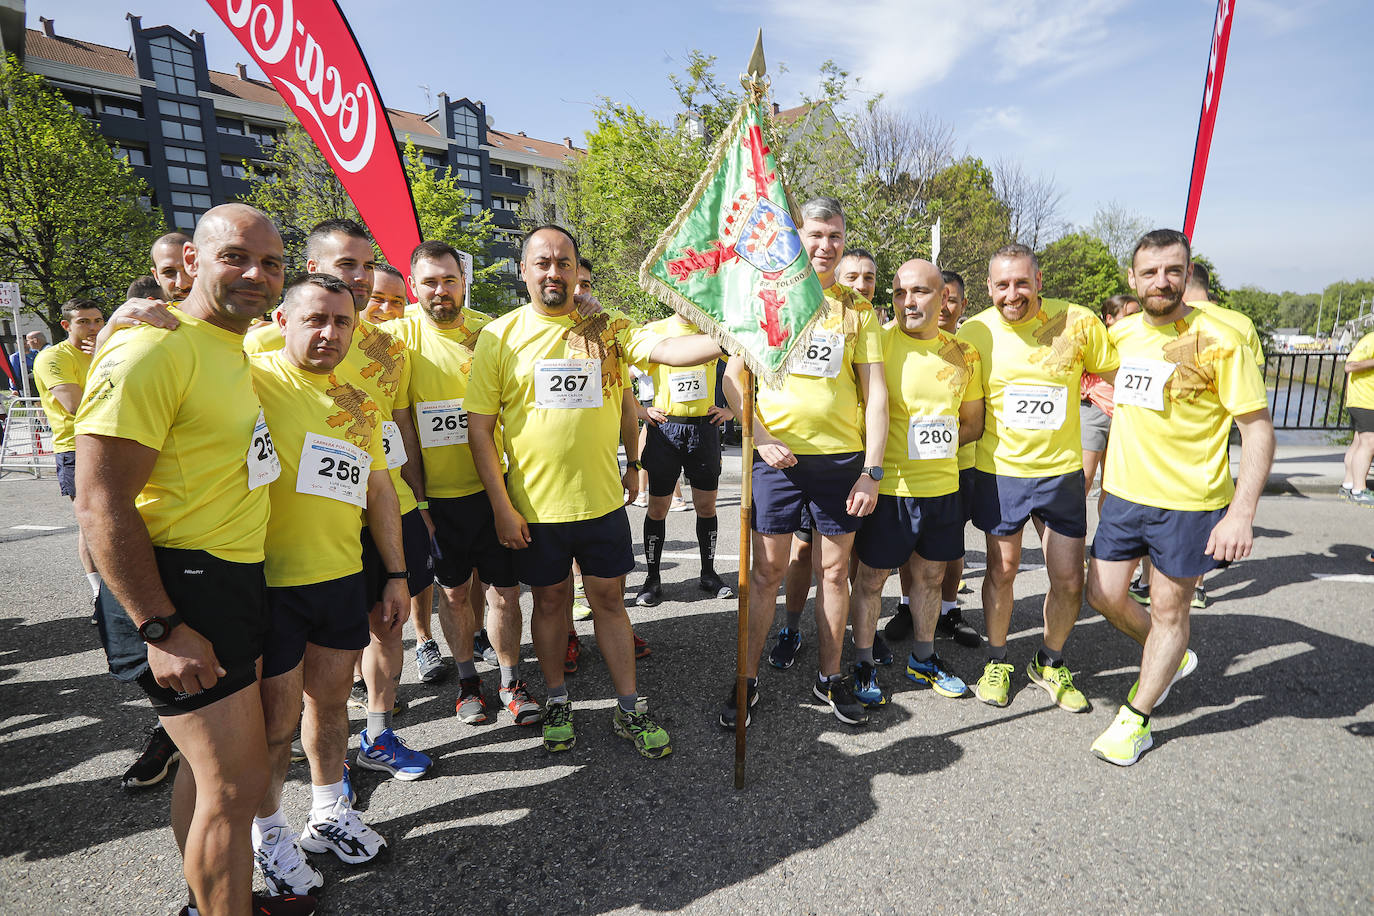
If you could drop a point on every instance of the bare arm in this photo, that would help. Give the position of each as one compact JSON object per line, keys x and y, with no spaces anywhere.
{"x":511,"y":528}
{"x":133,"y":313}
{"x":384,"y":521}
{"x":110,"y":474}
{"x":1233,"y":536}
{"x":68,"y":395}
{"x":692,"y":350}
{"x":863,"y":497}
{"x":971,"y":421}
{"x":629,"y":437}
{"x":1358,"y":365}
{"x":773,"y":452}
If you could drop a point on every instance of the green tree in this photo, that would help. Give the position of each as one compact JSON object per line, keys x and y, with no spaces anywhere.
{"x":1260,"y":306}
{"x":71,"y":223}
{"x":1082,"y":269}
{"x":974,"y":223}
{"x":296,"y":187}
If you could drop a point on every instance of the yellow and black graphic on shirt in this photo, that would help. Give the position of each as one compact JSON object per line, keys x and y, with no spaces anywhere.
{"x":1061,"y":344}
{"x":385,"y":356}
{"x":1195,"y":355}
{"x":959,"y":358}
{"x":356,"y":411}
{"x":596,"y":338}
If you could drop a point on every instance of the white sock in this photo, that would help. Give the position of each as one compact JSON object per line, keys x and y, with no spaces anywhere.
{"x":1347,"y":486}
{"x":947,"y":606}
{"x":94,"y":580}
{"x":904,"y":601}
{"x":324,"y":797}
{"x":263,"y":824}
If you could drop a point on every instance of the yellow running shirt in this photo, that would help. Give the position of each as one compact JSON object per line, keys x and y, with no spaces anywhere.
{"x":556,"y":384}
{"x":816,"y":411}
{"x":328,"y":436}
{"x":681,"y":391}
{"x":188,"y":394}
{"x":62,"y":364}
{"x":264,"y":338}
{"x":1176,"y":391}
{"x":1240,"y":323}
{"x":1031,"y":371}
{"x":440,"y":360}
{"x":927,"y":380}
{"x":1360,"y":390}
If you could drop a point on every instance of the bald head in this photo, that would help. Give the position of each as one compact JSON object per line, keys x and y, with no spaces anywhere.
{"x":236,"y":259}
{"x":918,"y":294}
{"x":169,"y":266}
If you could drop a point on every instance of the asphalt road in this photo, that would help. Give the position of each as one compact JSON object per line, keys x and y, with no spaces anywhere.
{"x":1257,"y":796}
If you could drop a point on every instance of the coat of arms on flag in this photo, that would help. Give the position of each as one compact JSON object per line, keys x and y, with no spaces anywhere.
{"x":732,"y":261}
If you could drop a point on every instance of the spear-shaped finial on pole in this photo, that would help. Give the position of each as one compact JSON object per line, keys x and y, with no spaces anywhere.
{"x":757,"y":68}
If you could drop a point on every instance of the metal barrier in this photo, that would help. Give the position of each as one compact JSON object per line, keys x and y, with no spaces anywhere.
{"x":1307,"y":389}
{"x":28,"y":439}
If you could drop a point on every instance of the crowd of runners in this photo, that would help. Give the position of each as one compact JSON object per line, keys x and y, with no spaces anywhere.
{"x":272,"y":476}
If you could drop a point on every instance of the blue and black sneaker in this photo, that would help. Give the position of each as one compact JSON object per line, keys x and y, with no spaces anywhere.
{"x":784,"y":652}
{"x":388,"y":753}
{"x":933,"y":673}
{"x":866,"y":688}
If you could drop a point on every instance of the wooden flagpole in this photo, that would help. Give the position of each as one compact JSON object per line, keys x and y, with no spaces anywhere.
{"x":746,"y":513}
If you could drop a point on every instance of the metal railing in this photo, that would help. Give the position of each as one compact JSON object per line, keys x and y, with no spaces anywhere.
{"x":1307,"y":389}
{"x":27,"y":444}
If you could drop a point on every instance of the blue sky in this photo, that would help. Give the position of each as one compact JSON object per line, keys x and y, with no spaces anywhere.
{"x":1101,"y":94}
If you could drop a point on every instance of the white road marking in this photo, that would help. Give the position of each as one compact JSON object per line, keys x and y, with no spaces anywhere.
{"x":37,"y":527}
{"x":1344,"y":577}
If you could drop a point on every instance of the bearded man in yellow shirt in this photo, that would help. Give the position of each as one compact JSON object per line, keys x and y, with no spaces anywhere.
{"x":1185,"y":375}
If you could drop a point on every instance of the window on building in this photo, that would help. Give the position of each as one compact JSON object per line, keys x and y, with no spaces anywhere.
{"x":171,"y":109}
{"x":433,"y":160}
{"x":495,"y":168}
{"x":184,"y":219}
{"x":471,"y":176}
{"x":266,"y":136}
{"x":515,"y":175}
{"x":474,"y":209}
{"x":177,"y":174}
{"x":233,"y":169}
{"x":229,"y":126}
{"x":181,"y":154}
{"x":118,"y":105}
{"x":188,"y":201}
{"x":465,"y":127}
{"x":174,"y":67}
{"x":133,"y":155}
{"x":175,"y":130}
{"x":83,"y":102}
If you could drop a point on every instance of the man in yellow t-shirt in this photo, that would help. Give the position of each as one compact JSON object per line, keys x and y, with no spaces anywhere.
{"x":172,"y":458}
{"x":682,"y":435}
{"x":1359,"y":403}
{"x":1185,"y":375}
{"x":388,"y":299}
{"x":818,"y":454}
{"x":59,"y":373}
{"x":439,"y":337}
{"x":1029,"y":460}
{"x":556,"y":383}
{"x":935,"y":404}
{"x":328,"y":439}
{"x":169,"y":266}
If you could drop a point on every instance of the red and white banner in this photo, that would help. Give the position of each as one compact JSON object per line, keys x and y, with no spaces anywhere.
{"x":308,"y":51}
{"x":1211,"y":98}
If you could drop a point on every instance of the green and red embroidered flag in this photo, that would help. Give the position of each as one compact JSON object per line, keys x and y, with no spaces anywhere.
{"x":732,"y":261}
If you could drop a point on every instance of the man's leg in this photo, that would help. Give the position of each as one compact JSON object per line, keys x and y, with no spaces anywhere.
{"x":281,"y":712}
{"x":865,"y":604}
{"x":1091,"y":461}
{"x":999,"y":580}
{"x":704,"y":503}
{"x":223,"y":745}
{"x":324,"y":723}
{"x":1107,"y":593}
{"x":832,"y":600}
{"x":382,"y":661}
{"x":459,"y":625}
{"x":798,"y":579}
{"x":549,"y":631}
{"x":422,"y":613}
{"x":1357,"y":460}
{"x":504,"y":627}
{"x":655,"y":530}
{"x":1064,"y":564}
{"x":614,"y":637}
{"x":770,"y":555}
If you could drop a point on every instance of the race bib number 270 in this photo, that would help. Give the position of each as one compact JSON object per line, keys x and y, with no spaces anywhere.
{"x":1035,"y":406}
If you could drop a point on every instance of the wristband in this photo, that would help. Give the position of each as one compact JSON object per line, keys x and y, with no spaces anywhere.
{"x":403,"y":574}
{"x":423,"y":504}
{"x":634,"y":465}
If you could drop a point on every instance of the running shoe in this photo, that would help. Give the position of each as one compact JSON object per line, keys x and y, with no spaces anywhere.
{"x":784,"y":652}
{"x":574,"y":653}
{"x":516,"y":699}
{"x":297,"y":748}
{"x":1124,"y":740}
{"x":286,"y":905}
{"x":642,"y":649}
{"x":357,"y":695}
{"x":348,"y":781}
{"x":482,"y":650}
{"x":678,"y":505}
{"x":472,"y":706}
{"x":648,"y":737}
{"x":730,"y":709}
{"x":1185,"y":668}
{"x":1199,"y":596}
{"x":152,"y":766}
{"x":558,"y":727}
{"x":343,"y":833}
{"x":641,"y":500}
{"x":1140,"y":591}
{"x":1362,"y":498}
{"x":994,"y":687}
{"x":432,"y":665}
{"x":712,"y":584}
{"x":934,"y":674}
{"x":953,"y":626}
{"x":95,"y":611}
{"x":389,"y":754}
{"x":843,"y":703}
{"x":650,"y":593}
{"x":866,"y":688}
{"x":581,"y":609}
{"x":882,"y":655}
{"x":284,"y":868}
{"x":900,"y":626}
{"x":1058,"y":683}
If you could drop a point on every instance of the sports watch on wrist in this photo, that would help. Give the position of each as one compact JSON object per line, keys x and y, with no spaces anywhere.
{"x":634,"y":465}
{"x":399,"y":574}
{"x":875,"y":472}
{"x":156,"y":629}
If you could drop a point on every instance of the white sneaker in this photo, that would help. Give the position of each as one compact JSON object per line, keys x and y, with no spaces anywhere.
{"x":278,"y":854}
{"x":343,"y":833}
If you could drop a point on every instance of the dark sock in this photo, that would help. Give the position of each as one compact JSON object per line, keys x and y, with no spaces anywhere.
{"x":558,"y":694}
{"x":627,"y":702}
{"x":654,"y":531}
{"x":466,"y":669}
{"x":1143,"y":715}
{"x":922,"y":651}
{"x":997,"y":653}
{"x":794,"y":621}
{"x":706,"y":541}
{"x":1048,"y":657}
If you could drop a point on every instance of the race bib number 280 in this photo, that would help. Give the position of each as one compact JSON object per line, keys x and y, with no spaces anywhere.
{"x":562,"y":384}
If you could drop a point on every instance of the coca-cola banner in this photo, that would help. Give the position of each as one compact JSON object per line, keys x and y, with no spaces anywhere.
{"x":1211,"y":97}
{"x":308,"y":51}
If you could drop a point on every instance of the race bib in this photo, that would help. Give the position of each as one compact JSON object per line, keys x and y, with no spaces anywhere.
{"x":393,"y":445}
{"x":1034,"y":406}
{"x":563,"y":384}
{"x":684,"y":387}
{"x":441,"y":423}
{"x":334,"y":469}
{"x":1141,"y":382}
{"x":263,"y":466}
{"x":928,"y":438}
{"x":822,"y":356}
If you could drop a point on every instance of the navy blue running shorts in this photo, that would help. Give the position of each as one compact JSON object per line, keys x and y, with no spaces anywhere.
{"x":930,"y":526}
{"x":465,"y":539}
{"x":601,"y":547}
{"x":66,"y":473}
{"x":679,"y":445}
{"x":1003,"y":505}
{"x":1174,"y":539}
{"x":966,"y":484}
{"x":419,"y":559}
{"x":331,"y":614}
{"x":817,"y":485}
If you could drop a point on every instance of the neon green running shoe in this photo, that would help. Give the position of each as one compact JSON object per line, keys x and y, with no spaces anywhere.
{"x":649,"y":738}
{"x":1185,"y":668}
{"x":558,"y":727}
{"x":1125,"y":740}
{"x":1058,"y":683}
{"x":994,"y":687}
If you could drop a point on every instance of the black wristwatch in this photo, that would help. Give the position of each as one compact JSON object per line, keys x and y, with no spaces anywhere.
{"x":875,"y":472}
{"x":156,"y":629}
{"x":402,"y":574}
{"x":634,"y":465}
